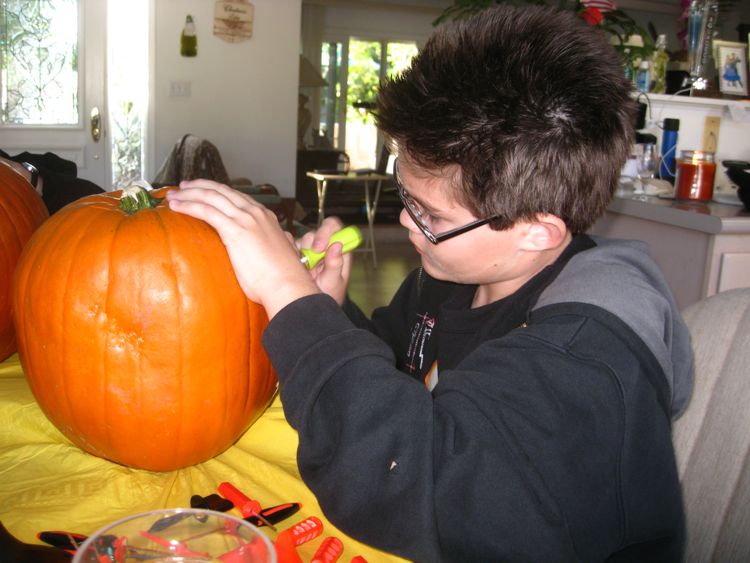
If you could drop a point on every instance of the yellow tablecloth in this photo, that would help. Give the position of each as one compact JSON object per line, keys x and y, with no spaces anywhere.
{"x":47,"y":483}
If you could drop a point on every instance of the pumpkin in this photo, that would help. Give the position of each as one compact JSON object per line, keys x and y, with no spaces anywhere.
{"x":21,"y":212}
{"x":135,"y":336}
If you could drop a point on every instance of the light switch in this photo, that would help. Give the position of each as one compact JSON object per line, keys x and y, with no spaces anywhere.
{"x":179,"y":89}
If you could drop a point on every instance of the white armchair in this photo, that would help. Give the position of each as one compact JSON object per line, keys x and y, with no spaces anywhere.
{"x":712,"y":438}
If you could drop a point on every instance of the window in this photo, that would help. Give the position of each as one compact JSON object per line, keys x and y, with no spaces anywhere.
{"x":353,"y":70}
{"x":39,"y":83}
{"x":52,"y":86}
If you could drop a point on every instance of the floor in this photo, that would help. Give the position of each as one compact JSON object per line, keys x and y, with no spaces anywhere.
{"x":371,"y":287}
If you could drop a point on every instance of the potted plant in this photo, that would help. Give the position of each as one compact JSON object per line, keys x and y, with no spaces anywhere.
{"x":630,"y":39}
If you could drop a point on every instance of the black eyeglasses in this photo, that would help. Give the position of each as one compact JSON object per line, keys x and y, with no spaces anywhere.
{"x":417,"y":214}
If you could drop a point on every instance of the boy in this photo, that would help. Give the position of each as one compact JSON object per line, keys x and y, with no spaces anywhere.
{"x":513,"y":402}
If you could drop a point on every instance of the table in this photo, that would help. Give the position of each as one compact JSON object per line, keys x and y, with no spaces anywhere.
{"x":310,"y":160}
{"x":50,"y":484}
{"x":371,"y":200}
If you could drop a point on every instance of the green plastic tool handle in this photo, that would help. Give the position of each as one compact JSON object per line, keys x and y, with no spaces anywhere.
{"x":350,"y":238}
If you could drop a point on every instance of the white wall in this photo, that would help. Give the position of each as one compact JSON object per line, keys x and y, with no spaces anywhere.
{"x":243,"y":96}
{"x":734,"y":138}
{"x":369,"y":23}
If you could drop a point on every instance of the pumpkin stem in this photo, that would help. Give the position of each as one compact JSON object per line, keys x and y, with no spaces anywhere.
{"x":135,"y":198}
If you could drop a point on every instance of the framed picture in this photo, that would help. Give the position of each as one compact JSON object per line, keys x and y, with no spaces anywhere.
{"x":730,"y":59}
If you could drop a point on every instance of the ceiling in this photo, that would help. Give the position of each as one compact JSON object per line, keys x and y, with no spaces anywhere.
{"x":434,"y":6}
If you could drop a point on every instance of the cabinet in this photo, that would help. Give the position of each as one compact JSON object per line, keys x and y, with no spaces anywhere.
{"x":702,"y":248}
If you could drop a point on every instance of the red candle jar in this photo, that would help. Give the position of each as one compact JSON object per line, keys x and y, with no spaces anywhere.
{"x":695,"y":176}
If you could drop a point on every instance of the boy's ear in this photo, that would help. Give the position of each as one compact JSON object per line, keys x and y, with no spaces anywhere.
{"x":546,"y":232}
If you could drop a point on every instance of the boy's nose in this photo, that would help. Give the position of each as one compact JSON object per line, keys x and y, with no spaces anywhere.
{"x":406,"y":221}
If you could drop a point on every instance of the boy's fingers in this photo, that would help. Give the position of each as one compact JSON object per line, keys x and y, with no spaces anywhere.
{"x":202,"y":183}
{"x":232,"y":205}
{"x":329,"y":226}
{"x":332,"y":277}
{"x":318,"y":240}
{"x":200,"y":188}
{"x":211,"y":214}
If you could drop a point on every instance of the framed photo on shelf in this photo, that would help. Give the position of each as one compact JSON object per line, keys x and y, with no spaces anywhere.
{"x":730,"y":59}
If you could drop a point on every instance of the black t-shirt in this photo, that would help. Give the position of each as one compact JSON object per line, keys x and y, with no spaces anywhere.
{"x":462,"y":328}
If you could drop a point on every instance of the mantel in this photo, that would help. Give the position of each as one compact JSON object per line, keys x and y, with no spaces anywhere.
{"x":738,"y":110}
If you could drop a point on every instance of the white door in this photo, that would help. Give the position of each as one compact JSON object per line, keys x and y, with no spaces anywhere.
{"x":52,"y":94}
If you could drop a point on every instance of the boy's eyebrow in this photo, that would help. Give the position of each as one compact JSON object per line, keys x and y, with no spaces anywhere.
{"x":427,"y":207}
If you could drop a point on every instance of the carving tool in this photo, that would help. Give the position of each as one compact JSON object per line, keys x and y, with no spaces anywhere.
{"x":246,"y":505}
{"x":275,"y":514}
{"x":350,"y":238}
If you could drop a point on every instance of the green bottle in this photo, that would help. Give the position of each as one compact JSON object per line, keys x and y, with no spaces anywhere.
{"x":188,"y":39}
{"x":659,"y":61}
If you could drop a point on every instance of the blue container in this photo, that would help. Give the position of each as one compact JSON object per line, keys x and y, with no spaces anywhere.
{"x":668,"y":149}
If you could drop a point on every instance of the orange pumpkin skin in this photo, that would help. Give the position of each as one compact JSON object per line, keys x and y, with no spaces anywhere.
{"x":137,"y":341}
{"x":21,"y":212}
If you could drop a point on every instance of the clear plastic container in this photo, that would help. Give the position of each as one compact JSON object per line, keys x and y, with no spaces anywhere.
{"x":180,"y":534}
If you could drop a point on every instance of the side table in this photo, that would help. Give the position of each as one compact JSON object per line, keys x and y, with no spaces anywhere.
{"x":367,"y":181}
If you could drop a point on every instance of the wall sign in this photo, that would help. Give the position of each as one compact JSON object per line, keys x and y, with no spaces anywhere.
{"x":233,"y":20}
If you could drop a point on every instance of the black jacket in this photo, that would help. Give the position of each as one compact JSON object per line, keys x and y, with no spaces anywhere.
{"x":60,"y":176}
{"x":546,"y":438}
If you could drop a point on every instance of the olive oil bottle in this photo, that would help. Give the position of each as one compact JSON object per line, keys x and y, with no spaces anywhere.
{"x":189,"y":39}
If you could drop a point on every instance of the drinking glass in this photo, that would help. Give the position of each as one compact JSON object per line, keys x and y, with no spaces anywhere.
{"x":178,"y":534}
{"x":646,"y":163}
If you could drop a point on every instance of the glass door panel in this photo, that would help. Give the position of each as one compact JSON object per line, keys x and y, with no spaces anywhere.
{"x":53,"y":89}
{"x":400,"y":56}
{"x":353,"y":71}
{"x":39,"y":62}
{"x":365,"y":61}
{"x":50,"y":86}
{"x":331,"y":106}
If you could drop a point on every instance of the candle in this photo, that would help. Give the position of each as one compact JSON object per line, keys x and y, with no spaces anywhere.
{"x":695,"y":176}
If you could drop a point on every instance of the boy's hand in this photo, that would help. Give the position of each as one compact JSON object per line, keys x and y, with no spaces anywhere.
{"x":264,"y":258}
{"x":333,"y":272}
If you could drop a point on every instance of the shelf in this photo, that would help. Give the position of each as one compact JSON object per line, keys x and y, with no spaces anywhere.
{"x":738,"y":110}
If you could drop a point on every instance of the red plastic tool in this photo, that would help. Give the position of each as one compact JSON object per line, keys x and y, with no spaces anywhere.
{"x":245,"y":504}
{"x":286,"y":552}
{"x":287,"y":540}
{"x":329,"y":551}
{"x":304,"y":531}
